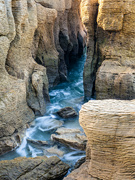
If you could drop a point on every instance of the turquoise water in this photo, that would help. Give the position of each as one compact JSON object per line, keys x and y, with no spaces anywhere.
{"x":71,"y":94}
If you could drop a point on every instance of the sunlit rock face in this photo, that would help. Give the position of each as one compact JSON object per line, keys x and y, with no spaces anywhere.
{"x":111,"y":41}
{"x":14,"y":111}
{"x":37,"y":39}
{"x":110,"y":128}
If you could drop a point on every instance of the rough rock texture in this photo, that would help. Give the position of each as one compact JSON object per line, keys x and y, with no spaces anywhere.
{"x":55,"y":150}
{"x":81,"y":173}
{"x":110,"y":128}
{"x":67,"y":112}
{"x":111,"y":40}
{"x":33,"y":168}
{"x":70,"y":137}
{"x":43,"y":49}
{"x":35,"y":37}
{"x":23,"y":82}
{"x":89,"y":9}
{"x":59,"y":38}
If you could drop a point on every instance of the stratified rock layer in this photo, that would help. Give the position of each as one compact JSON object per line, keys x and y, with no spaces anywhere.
{"x":33,"y":168}
{"x":111,"y":39}
{"x":23,"y":83}
{"x":35,"y":39}
{"x":110,"y":128}
{"x":70,"y":137}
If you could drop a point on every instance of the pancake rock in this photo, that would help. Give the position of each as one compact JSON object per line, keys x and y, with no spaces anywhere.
{"x":59,"y":38}
{"x":35,"y":38}
{"x":111,"y":39}
{"x":110,"y":128}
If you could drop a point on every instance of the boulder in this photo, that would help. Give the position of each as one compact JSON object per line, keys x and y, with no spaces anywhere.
{"x":33,"y":168}
{"x":67,"y":112}
{"x":72,"y":138}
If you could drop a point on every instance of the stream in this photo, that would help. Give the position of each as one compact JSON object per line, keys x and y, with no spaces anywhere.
{"x":65,"y":94}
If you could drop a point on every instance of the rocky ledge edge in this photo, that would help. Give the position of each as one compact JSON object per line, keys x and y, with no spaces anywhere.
{"x":33,"y":168}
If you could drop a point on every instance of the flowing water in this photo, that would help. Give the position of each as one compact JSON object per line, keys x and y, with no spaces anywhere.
{"x":65,"y":94}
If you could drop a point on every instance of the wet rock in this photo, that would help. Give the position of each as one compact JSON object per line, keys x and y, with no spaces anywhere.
{"x":37,"y":142}
{"x":67,"y":131}
{"x":48,"y":124}
{"x":67,"y":112}
{"x":75,"y":139}
{"x":33,"y":168}
{"x":79,"y":162}
{"x":56,"y":151}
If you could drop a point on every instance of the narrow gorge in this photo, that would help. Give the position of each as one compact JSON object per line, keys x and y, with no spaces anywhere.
{"x":55,"y":55}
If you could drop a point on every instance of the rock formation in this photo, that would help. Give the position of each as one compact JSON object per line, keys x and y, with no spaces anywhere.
{"x":59,"y":38}
{"x":111,"y":39}
{"x":70,"y":137}
{"x":110,"y":128}
{"x":35,"y":39}
{"x":24,"y":83}
{"x":33,"y":168}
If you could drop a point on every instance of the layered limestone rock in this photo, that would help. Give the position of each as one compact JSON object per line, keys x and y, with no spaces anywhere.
{"x":70,"y":137}
{"x":27,"y":83}
{"x":35,"y":38}
{"x":59,"y":38}
{"x":33,"y":168}
{"x":111,"y":27}
{"x":89,"y":9}
{"x":109,"y":127}
{"x":19,"y":60}
{"x":14,"y":111}
{"x":43,"y":49}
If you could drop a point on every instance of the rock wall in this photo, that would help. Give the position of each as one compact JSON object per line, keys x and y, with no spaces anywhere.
{"x":35,"y":38}
{"x":111,"y":39}
{"x":59,"y":38}
{"x":110,"y":128}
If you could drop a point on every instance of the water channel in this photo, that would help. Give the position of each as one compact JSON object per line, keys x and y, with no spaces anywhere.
{"x":71,"y":94}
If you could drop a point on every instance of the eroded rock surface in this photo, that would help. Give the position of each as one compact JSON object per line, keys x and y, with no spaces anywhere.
{"x":35,"y":38}
{"x":70,"y":137}
{"x":109,"y":127}
{"x":81,"y":173}
{"x":33,"y":168}
{"x":111,"y":39}
{"x":23,"y":82}
{"x":67,"y":112}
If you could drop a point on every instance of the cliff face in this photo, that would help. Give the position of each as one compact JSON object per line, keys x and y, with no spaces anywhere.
{"x":111,"y":39}
{"x":59,"y":38}
{"x":35,"y":37}
{"x":110,"y":131}
{"x":110,"y":128}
